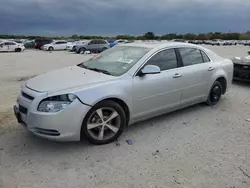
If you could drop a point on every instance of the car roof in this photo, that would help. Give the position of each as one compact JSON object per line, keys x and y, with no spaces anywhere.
{"x":154,"y":47}
{"x":161,"y":45}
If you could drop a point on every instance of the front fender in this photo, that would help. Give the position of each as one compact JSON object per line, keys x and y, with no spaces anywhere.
{"x":118,"y":89}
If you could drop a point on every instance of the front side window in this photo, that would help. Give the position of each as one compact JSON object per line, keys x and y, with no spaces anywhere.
{"x":165,"y":59}
{"x":92,"y":42}
{"x":190,"y":56}
{"x":116,"y":61}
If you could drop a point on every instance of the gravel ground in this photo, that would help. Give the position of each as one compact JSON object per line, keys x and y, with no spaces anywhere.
{"x":199,"y":146}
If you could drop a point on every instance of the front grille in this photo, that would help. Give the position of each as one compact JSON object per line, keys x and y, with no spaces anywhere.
{"x":242,"y":67}
{"x":27,"y":96}
{"x":23,"y":109}
{"x":48,"y":132}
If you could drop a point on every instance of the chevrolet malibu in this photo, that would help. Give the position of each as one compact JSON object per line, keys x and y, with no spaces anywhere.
{"x":98,"y":98}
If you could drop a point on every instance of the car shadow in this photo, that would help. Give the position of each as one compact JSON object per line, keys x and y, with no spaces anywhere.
{"x":21,"y":142}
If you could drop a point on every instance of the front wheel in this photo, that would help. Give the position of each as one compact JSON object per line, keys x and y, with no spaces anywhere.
{"x":104,"y":48}
{"x":215,"y":94}
{"x":104,"y":123}
{"x":51,"y":48}
{"x":81,"y":50}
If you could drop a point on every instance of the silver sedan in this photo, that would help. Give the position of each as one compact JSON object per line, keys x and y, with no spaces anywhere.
{"x":97,"y":99}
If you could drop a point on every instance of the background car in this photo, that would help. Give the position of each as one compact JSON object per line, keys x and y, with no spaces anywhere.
{"x":72,"y":46}
{"x":29,"y":44}
{"x":118,"y":42}
{"x":242,"y":68}
{"x":56,"y":45}
{"x":10,"y":46}
{"x":40,"y":42}
{"x":93,"y":46}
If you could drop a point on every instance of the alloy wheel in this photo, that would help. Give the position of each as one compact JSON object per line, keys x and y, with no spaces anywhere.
{"x":103,"y":123}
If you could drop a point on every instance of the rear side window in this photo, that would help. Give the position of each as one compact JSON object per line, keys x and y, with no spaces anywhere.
{"x":205,"y":57}
{"x":103,"y":42}
{"x":191,"y":56}
{"x":165,"y":59}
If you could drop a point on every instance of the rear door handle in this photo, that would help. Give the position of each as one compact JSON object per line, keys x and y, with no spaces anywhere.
{"x":210,"y":69}
{"x":177,"y":75}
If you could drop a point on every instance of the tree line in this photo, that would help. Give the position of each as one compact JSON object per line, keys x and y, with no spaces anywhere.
{"x":147,"y":36}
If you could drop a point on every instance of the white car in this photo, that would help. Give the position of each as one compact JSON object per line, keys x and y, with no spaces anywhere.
{"x":9,"y":46}
{"x":98,"y":98}
{"x":72,"y":46}
{"x":56,"y":45}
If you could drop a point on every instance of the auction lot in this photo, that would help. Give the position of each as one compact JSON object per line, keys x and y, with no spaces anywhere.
{"x":199,"y":146}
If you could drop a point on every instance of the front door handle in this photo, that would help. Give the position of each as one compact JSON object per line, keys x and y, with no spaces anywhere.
{"x":210,"y":69}
{"x":177,"y":75}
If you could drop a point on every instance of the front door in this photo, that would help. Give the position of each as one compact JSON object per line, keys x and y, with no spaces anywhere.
{"x":3,"y":47}
{"x":155,"y":93}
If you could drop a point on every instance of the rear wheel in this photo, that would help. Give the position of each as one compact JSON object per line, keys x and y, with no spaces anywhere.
{"x":104,"y":123}
{"x":215,"y":94}
{"x":18,"y":50}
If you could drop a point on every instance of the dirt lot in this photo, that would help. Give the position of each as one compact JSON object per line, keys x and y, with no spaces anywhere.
{"x":199,"y":147}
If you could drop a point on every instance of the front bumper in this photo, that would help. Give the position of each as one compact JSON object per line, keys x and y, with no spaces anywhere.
{"x":61,"y":126}
{"x":241,"y":72}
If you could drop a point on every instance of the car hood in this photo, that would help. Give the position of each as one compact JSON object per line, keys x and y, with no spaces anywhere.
{"x":66,"y":78}
{"x":242,"y":60}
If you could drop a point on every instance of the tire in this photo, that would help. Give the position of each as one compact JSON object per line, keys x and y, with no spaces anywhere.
{"x":93,"y":135}
{"x":51,"y":48}
{"x":104,"y":48}
{"x":18,"y":50}
{"x":81,"y":50}
{"x":214,"y":94}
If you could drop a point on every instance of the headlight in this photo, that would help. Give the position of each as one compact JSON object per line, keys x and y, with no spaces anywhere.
{"x":56,"y":103}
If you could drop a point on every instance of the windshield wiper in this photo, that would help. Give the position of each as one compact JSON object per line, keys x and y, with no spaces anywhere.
{"x":94,"y":69}
{"x":100,"y":70}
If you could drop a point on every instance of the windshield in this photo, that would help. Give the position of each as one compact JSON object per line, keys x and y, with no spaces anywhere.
{"x":117,"y":60}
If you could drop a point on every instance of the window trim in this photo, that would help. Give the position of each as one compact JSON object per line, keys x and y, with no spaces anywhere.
{"x":144,"y":63}
{"x":206,"y":55}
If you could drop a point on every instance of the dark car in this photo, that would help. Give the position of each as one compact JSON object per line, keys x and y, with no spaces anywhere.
{"x":242,"y":68}
{"x":40,"y":42}
{"x":29,"y":44}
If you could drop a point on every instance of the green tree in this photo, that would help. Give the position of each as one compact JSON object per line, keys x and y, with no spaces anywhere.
{"x":75,"y":36}
{"x":149,"y":36}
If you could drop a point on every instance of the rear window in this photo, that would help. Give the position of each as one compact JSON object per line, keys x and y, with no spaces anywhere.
{"x":191,"y":56}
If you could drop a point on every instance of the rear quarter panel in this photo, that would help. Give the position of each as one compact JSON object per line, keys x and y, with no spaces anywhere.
{"x":224,"y":68}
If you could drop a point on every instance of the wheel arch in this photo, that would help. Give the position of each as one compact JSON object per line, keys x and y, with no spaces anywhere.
{"x":223,"y":82}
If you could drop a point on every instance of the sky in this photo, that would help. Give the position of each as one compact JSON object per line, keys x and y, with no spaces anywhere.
{"x":114,"y":17}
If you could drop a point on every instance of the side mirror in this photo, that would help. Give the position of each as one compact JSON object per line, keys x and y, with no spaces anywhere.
{"x":150,"y":69}
{"x":89,"y":43}
{"x":248,"y":53}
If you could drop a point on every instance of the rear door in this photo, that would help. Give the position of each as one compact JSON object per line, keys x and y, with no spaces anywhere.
{"x":197,"y":74}
{"x":63,"y":45}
